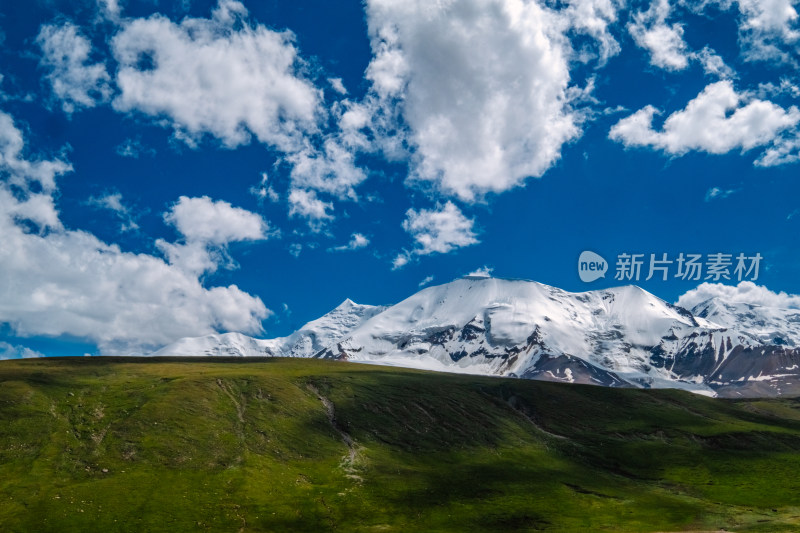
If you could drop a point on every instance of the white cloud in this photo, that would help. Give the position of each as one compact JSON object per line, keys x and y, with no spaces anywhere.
{"x":484,"y":271}
{"x":476,"y":121}
{"x":765,"y":26}
{"x":439,"y":231}
{"x":113,"y":202}
{"x":220,"y":76}
{"x":69,"y":282}
{"x":426,"y":281}
{"x":235,"y":81}
{"x":593,"y":17}
{"x":194,"y":257}
{"x":745,"y":291}
{"x":355,"y":116}
{"x":215,"y":221}
{"x":784,"y":87}
{"x":666,"y":46}
{"x":110,"y":8}
{"x":265,"y":191}
{"x":717,"y":121}
{"x":109,"y":201}
{"x":337,"y":85}
{"x":207,"y":227}
{"x":134,"y":148}
{"x":784,"y":151}
{"x":401,"y":260}
{"x":331,"y":170}
{"x":75,"y":82}
{"x":58,"y":281}
{"x":713,"y":64}
{"x":769,"y":15}
{"x":20,"y":169}
{"x":10,"y":351}
{"x":357,"y":240}
{"x":295,"y":249}
{"x":664,"y":41}
{"x":715,"y":193}
{"x":303,"y":203}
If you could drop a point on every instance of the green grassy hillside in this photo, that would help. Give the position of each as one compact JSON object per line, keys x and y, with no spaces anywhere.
{"x":104,"y":444}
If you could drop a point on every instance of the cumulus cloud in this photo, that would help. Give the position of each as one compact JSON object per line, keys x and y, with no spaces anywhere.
{"x":766,"y":26}
{"x":331,"y":170}
{"x":357,"y":240}
{"x":663,"y":41}
{"x":69,"y":282}
{"x":594,"y":18}
{"x":439,"y":230}
{"x":58,"y":281}
{"x":207,"y":227}
{"x":481,"y":88}
{"x":717,"y":121}
{"x":304,"y":203}
{"x":75,"y":82}
{"x":216,"y":222}
{"x":744,"y":292}
{"x":236,"y":81}
{"x":11,"y":351}
{"x":426,"y":281}
{"x":34,"y":178}
{"x":220,"y":76}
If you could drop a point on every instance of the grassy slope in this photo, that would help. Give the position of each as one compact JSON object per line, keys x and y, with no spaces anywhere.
{"x":250,"y":446}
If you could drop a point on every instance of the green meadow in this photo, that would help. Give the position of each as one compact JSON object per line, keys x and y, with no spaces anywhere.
{"x":168,"y":444}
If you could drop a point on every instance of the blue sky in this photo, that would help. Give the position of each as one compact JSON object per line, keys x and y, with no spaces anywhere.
{"x":172,"y":168}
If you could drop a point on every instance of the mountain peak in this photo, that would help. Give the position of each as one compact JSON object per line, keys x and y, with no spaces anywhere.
{"x":346,"y":304}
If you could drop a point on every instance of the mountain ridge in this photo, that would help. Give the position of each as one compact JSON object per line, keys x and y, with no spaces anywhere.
{"x":621,"y":336}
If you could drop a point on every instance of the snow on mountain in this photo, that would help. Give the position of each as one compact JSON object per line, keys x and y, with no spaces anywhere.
{"x":622,"y":336}
{"x":765,"y":325}
{"x":218,"y":345}
{"x":516,"y":328}
{"x":305,"y":342}
{"x":322,"y":332}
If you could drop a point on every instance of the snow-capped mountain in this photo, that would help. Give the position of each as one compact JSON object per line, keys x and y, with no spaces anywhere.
{"x":305,"y":342}
{"x":765,"y":325}
{"x":617,"y":337}
{"x":622,"y":336}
